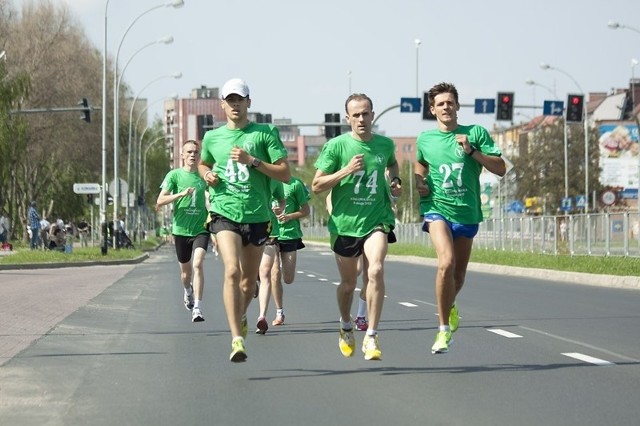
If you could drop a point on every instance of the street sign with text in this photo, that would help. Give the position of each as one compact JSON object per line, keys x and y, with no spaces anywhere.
{"x":86,"y":188}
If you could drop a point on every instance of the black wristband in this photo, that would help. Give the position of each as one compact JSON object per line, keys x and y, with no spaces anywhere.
{"x":396,"y":178}
{"x":472,"y":151}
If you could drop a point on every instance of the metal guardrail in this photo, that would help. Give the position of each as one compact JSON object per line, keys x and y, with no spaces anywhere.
{"x":598,"y":234}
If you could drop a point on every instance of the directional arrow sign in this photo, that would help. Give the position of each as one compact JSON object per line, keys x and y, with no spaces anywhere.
{"x":410,"y":104}
{"x":485,"y":106}
{"x":553,"y":108}
{"x":86,"y":188}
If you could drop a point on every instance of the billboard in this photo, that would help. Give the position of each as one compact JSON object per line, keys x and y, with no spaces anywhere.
{"x":619,"y":155}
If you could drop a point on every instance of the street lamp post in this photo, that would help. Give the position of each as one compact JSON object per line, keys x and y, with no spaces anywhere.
{"x":586,"y":139}
{"x":417,"y":43}
{"x":103,"y":190}
{"x":173,"y":3}
{"x":548,"y":89}
{"x":164,"y":40}
{"x":136,"y":177}
{"x":175,"y":75}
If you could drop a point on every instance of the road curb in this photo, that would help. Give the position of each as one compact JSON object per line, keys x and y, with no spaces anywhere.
{"x":23,"y":266}
{"x":611,"y":281}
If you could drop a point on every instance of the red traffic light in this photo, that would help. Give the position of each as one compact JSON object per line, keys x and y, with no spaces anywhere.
{"x":575,"y":100}
{"x":506,"y":99}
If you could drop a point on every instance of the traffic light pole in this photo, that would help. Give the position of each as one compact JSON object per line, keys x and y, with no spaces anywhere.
{"x":48,"y":110}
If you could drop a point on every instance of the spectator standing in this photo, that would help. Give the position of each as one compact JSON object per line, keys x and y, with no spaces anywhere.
{"x":4,"y":228}
{"x":34,"y":225}
{"x":83,"y":231}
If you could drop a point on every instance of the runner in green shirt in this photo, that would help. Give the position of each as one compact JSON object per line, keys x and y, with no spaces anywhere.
{"x":449,"y":161}
{"x":238,"y":162}
{"x":279,"y":258}
{"x":186,"y":190}
{"x":353,"y":167}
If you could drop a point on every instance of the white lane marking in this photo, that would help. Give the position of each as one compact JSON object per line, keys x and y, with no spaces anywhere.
{"x":300,"y":272}
{"x":504,"y":333}
{"x":425,"y":303}
{"x":311,"y":276}
{"x":326,"y":253}
{"x":336,"y":283}
{"x":585,"y":345}
{"x":322,"y":279}
{"x":408,"y":305}
{"x":587,"y":358}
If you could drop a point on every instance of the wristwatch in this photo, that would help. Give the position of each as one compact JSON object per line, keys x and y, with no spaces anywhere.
{"x":396,"y":179}
{"x":255,"y":163}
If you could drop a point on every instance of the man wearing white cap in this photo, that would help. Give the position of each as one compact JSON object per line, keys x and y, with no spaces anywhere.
{"x":238,"y":161}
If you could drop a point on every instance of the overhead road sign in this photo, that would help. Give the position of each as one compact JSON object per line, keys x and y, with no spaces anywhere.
{"x":553,"y":107}
{"x":485,"y":106}
{"x":410,"y":104}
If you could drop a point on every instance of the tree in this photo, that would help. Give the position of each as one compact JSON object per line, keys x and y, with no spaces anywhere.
{"x":539,"y":167}
{"x":50,"y":151}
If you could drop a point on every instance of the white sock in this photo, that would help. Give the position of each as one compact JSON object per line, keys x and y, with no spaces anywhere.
{"x":362,"y":308}
{"x":372,"y":332}
{"x":197,"y":304}
{"x":444,"y":328}
{"x":345,"y":325}
{"x":188,"y":291}
{"x":280,"y":312}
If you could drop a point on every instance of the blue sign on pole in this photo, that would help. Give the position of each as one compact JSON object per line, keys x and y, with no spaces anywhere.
{"x":566,"y":204}
{"x":485,"y":106}
{"x":553,"y":107}
{"x":410,"y":104}
{"x":581,"y":201}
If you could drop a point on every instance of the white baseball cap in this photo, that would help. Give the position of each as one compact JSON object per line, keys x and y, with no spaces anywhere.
{"x":237,"y":86}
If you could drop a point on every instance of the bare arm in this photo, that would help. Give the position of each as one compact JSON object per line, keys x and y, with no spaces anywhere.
{"x":166,"y":197}
{"x":494,"y":164}
{"x":324,"y":182}
{"x":279,"y":170}
{"x":396,"y":187}
{"x":204,"y":170}
{"x":303,"y":212}
{"x":420,"y":171}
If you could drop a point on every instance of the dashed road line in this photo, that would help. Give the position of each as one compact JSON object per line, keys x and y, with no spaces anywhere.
{"x":408,"y":304}
{"x":587,"y":358}
{"x":504,"y":333}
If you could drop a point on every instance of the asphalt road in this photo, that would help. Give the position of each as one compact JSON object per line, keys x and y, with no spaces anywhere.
{"x":528,"y":352}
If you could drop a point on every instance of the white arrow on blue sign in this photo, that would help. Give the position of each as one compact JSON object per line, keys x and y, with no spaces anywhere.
{"x":553,"y":107}
{"x":485,"y":106}
{"x":566,"y":204}
{"x":410,"y":104}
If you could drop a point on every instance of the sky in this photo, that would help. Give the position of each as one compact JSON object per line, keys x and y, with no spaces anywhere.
{"x":301,"y":59}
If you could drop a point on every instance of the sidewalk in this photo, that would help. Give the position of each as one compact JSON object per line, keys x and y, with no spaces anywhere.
{"x":32,"y":301}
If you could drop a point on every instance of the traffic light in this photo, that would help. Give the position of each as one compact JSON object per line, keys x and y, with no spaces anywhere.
{"x":575,"y":108}
{"x":505,"y":106}
{"x":86,"y":113}
{"x":426,"y":109}
{"x":331,"y":131}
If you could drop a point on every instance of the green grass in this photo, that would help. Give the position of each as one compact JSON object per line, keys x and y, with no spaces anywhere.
{"x":23,"y":255}
{"x":622,"y":266}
